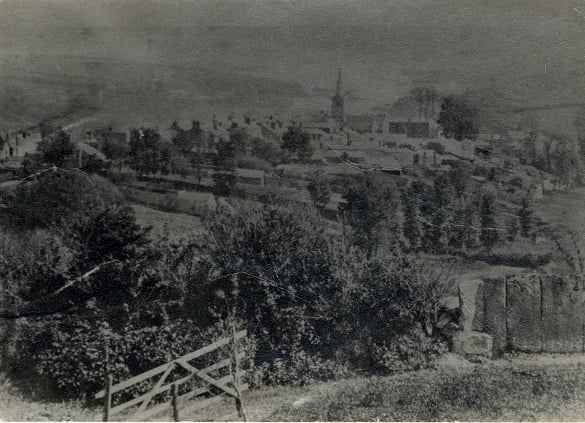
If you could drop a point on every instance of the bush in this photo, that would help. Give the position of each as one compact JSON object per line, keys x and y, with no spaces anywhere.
{"x":75,"y":355}
{"x":224,"y":183}
{"x":254,"y":163}
{"x":515,"y":259}
{"x":437,"y":147}
{"x":300,"y":369}
{"x":411,"y":351}
{"x":306,"y":296}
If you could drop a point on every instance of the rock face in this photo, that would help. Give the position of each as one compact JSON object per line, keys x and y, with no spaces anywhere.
{"x":471,"y":306}
{"x":473,"y":345}
{"x":529,"y":312}
{"x":470,"y":343}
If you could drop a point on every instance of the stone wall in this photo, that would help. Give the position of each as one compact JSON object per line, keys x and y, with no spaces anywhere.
{"x":530,"y":312}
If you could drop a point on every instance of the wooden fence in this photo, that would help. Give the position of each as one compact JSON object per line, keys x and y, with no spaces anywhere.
{"x":187,"y":387}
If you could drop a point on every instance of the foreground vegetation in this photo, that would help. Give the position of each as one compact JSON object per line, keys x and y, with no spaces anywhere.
{"x":548,"y":388}
{"x":488,"y":392}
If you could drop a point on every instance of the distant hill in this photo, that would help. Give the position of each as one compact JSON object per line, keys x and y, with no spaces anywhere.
{"x":154,"y":60}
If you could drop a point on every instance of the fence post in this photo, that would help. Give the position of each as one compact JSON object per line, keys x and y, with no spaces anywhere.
{"x":175,"y":402}
{"x":108,"y":398}
{"x":236,"y":375}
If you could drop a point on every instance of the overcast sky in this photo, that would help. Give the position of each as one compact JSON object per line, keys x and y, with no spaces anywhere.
{"x":384,"y":46}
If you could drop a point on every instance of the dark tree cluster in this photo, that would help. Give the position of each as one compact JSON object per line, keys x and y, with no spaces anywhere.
{"x":297,"y":142}
{"x":443,"y":218}
{"x":459,"y":118}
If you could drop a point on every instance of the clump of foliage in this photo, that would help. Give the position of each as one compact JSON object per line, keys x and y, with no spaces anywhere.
{"x":57,"y":149}
{"x":297,"y":142}
{"x":459,"y":118}
{"x":306,"y":295}
{"x":369,"y":208}
{"x":320,"y":192}
{"x":144,"y":150}
{"x":224,"y":178}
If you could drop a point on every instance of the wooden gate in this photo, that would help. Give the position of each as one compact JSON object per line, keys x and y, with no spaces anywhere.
{"x":187,"y":387}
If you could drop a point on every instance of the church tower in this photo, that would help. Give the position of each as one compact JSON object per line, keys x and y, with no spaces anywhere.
{"x":337,"y":111}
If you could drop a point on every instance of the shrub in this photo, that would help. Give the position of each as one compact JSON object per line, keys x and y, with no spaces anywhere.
{"x":411,"y":351}
{"x":223,"y":183}
{"x":437,"y":147}
{"x":254,"y":163}
{"x":305,"y":295}
{"x":75,"y":355}
{"x":301,"y":368}
{"x":514,"y":259}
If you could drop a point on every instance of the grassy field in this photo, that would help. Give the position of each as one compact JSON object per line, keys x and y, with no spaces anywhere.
{"x":563,"y":208}
{"x":161,"y":222}
{"x":520,"y":388}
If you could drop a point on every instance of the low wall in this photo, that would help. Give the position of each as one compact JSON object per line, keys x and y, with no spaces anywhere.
{"x":529,"y":313}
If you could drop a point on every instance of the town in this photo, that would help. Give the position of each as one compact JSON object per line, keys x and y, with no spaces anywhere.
{"x":222,"y":219}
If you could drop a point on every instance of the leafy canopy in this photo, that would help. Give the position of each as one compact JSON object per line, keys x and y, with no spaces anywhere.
{"x":459,"y":118}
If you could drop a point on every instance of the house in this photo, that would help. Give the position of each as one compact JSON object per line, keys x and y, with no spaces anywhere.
{"x":251,"y":176}
{"x":414,"y":128}
{"x":369,"y":124}
{"x":103,"y":137}
{"x":14,"y":147}
{"x":325,"y":130}
{"x":86,"y":152}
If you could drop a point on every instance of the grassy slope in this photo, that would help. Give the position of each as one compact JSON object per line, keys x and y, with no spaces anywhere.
{"x":176,"y":224}
{"x":544,"y":388}
{"x":512,"y":391}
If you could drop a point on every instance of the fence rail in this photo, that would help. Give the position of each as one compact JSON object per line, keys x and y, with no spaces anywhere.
{"x":228,"y":385}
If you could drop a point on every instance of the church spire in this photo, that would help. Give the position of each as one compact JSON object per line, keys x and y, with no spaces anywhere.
{"x":337,"y":109}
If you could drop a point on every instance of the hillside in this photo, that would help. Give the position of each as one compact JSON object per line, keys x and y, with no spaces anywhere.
{"x":180,"y":60}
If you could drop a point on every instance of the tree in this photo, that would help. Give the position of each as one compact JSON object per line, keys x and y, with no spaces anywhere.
{"x":425,"y":98}
{"x":306,"y":295}
{"x":562,"y":161}
{"x":115,"y":150}
{"x":267,"y":151}
{"x":411,"y":227}
{"x":459,"y":228}
{"x":108,"y":234}
{"x":369,"y":208}
{"x":435,"y":208}
{"x":145,"y":150}
{"x":489,"y":233}
{"x":240,"y":140}
{"x":525,"y":216}
{"x":186,"y":140}
{"x":224,"y":177}
{"x":56,"y":198}
{"x":166,"y":152}
{"x":57,"y":149}
{"x":458,"y":118}
{"x":197,"y":163}
{"x":320,"y":192}
{"x":580,"y":127}
{"x":459,"y":177}
{"x":297,"y":142}
{"x":512,"y":229}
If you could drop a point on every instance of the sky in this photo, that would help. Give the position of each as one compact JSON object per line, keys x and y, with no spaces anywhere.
{"x":528,"y":51}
